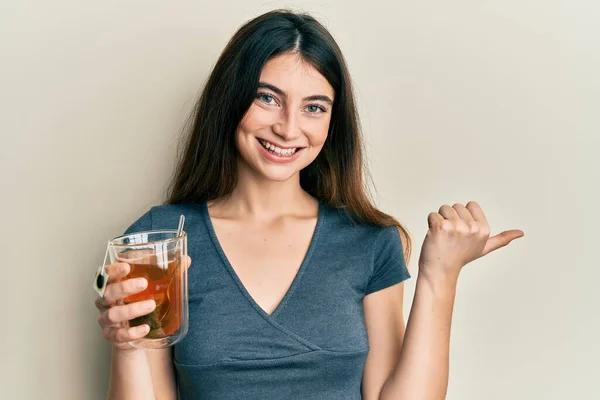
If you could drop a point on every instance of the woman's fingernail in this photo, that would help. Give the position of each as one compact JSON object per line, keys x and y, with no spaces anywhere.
{"x":142,"y":329}
{"x":123,"y":267}
{"x":141,"y":283}
{"x":150,"y":305}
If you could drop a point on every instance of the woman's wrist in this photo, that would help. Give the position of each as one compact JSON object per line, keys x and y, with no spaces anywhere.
{"x":127,"y":352}
{"x":439,"y":280}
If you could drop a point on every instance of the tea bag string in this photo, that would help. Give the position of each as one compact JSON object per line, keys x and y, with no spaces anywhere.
{"x":106,"y":254}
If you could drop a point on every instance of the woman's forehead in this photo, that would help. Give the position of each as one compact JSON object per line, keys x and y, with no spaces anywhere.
{"x":295,"y":76}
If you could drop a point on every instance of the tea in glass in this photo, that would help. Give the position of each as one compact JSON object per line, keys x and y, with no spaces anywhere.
{"x":157,"y":256}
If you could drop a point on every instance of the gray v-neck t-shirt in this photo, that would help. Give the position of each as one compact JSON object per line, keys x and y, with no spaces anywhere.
{"x":313,"y":346}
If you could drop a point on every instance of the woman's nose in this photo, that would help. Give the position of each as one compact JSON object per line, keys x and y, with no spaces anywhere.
{"x":287,"y":127}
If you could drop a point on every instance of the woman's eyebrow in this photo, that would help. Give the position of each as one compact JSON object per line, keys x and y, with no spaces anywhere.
{"x":316,"y":97}
{"x":273,"y":88}
{"x":319,"y":97}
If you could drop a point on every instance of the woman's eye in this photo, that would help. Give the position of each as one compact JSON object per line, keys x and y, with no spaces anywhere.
{"x":266,"y":98}
{"x":315,"y":109}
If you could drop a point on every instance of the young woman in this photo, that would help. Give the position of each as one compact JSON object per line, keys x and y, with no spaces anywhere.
{"x":296,"y":290}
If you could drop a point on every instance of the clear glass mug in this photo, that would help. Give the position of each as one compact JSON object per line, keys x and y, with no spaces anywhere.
{"x":160,"y":257}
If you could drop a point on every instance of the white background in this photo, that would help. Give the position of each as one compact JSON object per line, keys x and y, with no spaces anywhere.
{"x":493,"y":101}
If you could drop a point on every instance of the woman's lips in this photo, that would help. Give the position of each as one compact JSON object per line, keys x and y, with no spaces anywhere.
{"x":281,"y":159}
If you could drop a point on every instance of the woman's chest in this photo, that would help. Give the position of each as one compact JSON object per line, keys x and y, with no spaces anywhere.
{"x":265,"y":266}
{"x":320,"y":310}
{"x":265,"y":260}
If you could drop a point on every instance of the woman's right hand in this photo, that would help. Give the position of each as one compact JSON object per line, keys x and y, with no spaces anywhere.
{"x":113,"y":318}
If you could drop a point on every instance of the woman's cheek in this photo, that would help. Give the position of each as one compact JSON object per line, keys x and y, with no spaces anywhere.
{"x":258,"y":117}
{"x":318,"y":131}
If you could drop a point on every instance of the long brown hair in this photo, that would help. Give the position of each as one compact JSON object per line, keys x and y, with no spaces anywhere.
{"x":207,"y":169}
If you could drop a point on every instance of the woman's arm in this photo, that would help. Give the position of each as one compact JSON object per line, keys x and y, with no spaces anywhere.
{"x":137,"y":374}
{"x":385,"y":326}
{"x":457,"y":235}
{"x":412,"y":362}
{"x":141,"y":375}
{"x":422,"y":370}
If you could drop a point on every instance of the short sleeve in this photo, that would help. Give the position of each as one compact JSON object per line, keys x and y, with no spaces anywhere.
{"x":389,"y":266}
{"x":143,"y":223}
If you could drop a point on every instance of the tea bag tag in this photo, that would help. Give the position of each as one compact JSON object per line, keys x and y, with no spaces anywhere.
{"x":101,"y":278}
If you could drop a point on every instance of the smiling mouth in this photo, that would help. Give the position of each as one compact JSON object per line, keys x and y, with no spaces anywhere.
{"x":278,"y":151}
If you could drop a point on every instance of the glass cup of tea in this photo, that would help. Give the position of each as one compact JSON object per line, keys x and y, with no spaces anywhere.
{"x":161,"y":258}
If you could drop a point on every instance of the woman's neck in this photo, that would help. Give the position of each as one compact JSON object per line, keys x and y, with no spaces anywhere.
{"x":259,"y":198}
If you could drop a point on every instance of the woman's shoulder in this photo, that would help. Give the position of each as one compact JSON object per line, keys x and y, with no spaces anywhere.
{"x":167,"y":211}
{"x":342,"y":219}
{"x":346,"y":229}
{"x":166,"y":216}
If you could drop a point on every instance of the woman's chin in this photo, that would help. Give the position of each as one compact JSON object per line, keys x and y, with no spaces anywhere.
{"x":279,"y":176}
{"x":277,"y":173}
{"x":269,"y":171}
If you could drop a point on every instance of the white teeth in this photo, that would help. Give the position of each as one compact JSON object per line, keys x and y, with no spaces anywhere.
{"x":277,"y":150}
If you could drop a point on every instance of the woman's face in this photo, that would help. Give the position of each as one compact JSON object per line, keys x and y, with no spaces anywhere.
{"x":285,"y":128}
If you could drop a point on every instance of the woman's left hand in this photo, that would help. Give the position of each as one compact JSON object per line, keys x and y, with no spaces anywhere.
{"x":458,"y":235}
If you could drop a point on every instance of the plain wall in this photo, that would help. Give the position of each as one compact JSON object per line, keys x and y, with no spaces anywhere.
{"x":492,"y":101}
